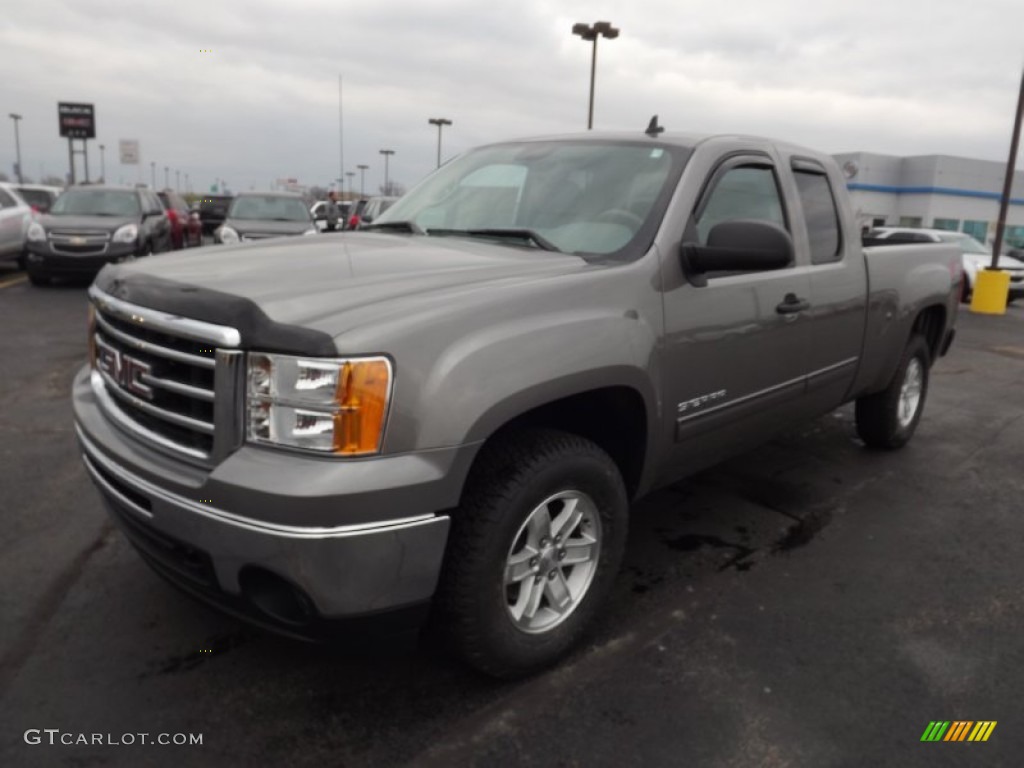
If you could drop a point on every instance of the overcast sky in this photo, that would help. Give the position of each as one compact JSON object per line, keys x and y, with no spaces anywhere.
{"x":893,"y":76}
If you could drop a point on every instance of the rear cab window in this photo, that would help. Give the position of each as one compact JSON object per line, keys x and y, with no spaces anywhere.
{"x":821,"y":214}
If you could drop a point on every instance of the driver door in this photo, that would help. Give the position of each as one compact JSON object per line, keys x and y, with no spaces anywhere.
{"x":736,"y":347}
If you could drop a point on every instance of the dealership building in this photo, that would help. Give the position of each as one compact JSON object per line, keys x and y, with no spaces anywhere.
{"x":936,"y":191}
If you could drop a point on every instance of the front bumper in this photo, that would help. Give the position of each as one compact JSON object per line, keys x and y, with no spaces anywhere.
{"x":42,"y":258}
{"x":225,"y":538}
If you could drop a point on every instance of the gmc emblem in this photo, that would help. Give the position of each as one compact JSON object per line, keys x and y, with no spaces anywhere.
{"x":125,"y":370}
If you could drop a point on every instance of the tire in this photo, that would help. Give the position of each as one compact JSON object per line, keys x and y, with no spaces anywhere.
{"x":505,"y":550}
{"x":887,"y":419}
{"x":37,"y":279}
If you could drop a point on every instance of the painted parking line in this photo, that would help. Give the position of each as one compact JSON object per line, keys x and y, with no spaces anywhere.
{"x":13,"y":281}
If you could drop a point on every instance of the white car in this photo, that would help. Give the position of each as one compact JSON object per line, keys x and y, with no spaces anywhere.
{"x":976,"y":256}
{"x":15,"y":216}
{"x":40,"y":196}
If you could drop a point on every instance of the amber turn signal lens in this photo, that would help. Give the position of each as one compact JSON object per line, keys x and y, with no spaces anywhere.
{"x":363,"y":396}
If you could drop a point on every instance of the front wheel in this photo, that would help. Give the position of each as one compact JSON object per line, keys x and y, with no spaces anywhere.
{"x":888,"y":418}
{"x":533,"y":551}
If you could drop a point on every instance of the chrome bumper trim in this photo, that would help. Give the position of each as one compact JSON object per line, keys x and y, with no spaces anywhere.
{"x":227,"y":518}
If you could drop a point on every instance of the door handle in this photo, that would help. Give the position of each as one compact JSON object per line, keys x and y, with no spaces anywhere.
{"x":792,"y":304}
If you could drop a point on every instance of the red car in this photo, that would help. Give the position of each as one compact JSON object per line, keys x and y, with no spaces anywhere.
{"x":186,"y":230}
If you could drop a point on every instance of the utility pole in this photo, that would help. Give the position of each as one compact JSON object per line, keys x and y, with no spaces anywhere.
{"x":440,"y":122}
{"x":1004,"y":201}
{"x":17,"y":144}
{"x":387,"y":184}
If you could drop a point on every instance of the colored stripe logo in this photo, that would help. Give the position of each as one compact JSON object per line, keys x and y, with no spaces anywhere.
{"x":958,"y":730}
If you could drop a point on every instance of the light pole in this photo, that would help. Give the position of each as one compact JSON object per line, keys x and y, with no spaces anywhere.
{"x":167,"y":180}
{"x":152,"y":171}
{"x":591,"y":32}
{"x":17,"y":144}
{"x":103,"y":165}
{"x":387,"y":154}
{"x":362,"y":177}
{"x":188,"y":186}
{"x":177,"y":181}
{"x":440,"y":122}
{"x":350,"y":174}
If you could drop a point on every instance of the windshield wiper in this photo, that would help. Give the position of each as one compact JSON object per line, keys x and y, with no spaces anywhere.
{"x":407,"y":226}
{"x":516,"y":233}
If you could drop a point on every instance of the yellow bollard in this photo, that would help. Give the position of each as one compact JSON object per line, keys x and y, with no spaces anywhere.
{"x":991,"y":289}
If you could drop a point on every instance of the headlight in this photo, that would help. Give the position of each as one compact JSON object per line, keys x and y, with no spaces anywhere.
{"x":333,"y":406}
{"x":126,"y":234}
{"x":36,"y":233}
{"x":312,"y":231}
{"x":227,"y":235}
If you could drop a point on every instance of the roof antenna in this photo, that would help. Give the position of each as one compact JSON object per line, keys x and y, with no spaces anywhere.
{"x":653,"y":129}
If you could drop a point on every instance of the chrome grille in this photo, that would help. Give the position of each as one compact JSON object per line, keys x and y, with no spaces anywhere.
{"x":168,"y":380}
{"x":79,"y":242}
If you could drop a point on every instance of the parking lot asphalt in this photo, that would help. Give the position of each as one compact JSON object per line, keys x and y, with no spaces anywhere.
{"x":810,"y":603}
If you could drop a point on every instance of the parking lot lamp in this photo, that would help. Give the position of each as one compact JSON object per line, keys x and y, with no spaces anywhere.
{"x":591,"y":32}
{"x":350,"y":175}
{"x":177,"y":181}
{"x":387,"y":154}
{"x":17,"y":144}
{"x":440,"y":122}
{"x":167,"y":180}
{"x":152,"y":171}
{"x":103,"y":165}
{"x":362,"y":178}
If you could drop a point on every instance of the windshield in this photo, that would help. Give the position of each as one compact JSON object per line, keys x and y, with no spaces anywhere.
{"x":966,"y":243}
{"x":585,"y":197}
{"x":268,"y":208}
{"x":96,"y":202}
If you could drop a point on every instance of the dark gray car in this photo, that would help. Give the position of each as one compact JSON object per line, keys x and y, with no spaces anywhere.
{"x":91,"y":226}
{"x":263,"y":215}
{"x":453,"y":410}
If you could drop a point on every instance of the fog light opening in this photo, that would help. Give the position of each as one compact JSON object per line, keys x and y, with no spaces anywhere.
{"x":276,"y":597}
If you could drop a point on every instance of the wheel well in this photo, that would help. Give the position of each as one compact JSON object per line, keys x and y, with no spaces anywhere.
{"x":930,"y":323}
{"x":613,"y":418}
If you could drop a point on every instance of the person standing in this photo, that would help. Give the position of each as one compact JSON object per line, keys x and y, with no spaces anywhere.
{"x":332,"y":211}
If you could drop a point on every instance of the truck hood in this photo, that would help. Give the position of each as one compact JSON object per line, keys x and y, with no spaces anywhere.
{"x":85,"y":223}
{"x":333,"y":283}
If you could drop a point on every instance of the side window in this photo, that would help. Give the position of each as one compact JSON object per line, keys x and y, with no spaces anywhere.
{"x":745,"y":192}
{"x":6,"y":201}
{"x":821,"y":216}
{"x":153,"y":203}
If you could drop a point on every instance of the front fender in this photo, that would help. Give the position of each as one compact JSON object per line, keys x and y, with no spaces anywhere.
{"x":499,"y":372}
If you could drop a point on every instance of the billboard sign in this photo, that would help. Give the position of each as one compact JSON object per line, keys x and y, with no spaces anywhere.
{"x":77,"y":121}
{"x":129,"y":151}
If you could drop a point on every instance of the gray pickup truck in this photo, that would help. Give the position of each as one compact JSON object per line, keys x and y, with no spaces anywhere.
{"x":450,"y":412}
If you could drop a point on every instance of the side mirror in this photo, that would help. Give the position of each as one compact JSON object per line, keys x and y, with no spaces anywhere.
{"x":738,"y":246}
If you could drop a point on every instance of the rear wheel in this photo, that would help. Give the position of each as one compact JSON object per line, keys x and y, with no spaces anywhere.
{"x":888,"y":418}
{"x":533,"y":551}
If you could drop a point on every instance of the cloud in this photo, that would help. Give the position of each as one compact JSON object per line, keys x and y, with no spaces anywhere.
{"x":911,"y":77}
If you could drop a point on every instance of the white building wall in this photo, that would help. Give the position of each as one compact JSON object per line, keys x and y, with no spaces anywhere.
{"x":932,"y":190}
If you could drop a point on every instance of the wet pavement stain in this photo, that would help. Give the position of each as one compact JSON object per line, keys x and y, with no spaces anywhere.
{"x":803,"y":531}
{"x":214,"y":646}
{"x":690,"y":542}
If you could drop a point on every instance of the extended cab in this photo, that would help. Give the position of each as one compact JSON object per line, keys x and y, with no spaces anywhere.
{"x":453,"y":409}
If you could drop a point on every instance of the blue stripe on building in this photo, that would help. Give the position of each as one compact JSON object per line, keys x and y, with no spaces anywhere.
{"x":854,"y":185}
